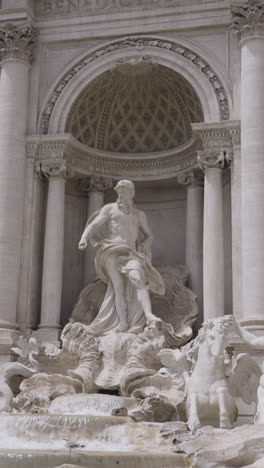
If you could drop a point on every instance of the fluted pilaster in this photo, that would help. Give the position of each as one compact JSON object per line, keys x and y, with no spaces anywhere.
{"x":16,"y":44}
{"x":248,"y":23}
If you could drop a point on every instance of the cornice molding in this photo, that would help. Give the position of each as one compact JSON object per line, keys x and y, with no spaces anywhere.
{"x":100,"y":163}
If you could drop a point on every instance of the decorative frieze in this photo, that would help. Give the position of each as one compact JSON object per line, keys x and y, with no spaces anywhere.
{"x":217,"y":143}
{"x":103,"y":164}
{"x":17,"y":41}
{"x":139,"y":42}
{"x":248,"y":19}
{"x":191,"y":178}
{"x":235,"y":133}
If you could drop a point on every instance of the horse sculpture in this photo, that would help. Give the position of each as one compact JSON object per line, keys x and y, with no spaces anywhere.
{"x":211,"y":382}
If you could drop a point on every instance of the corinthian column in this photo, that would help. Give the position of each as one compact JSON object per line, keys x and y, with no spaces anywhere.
{"x":215,"y":157}
{"x":16,"y":43}
{"x":49,"y":327}
{"x":248,"y":21}
{"x":94,"y":188}
{"x":193,"y":180}
{"x":213,"y":242}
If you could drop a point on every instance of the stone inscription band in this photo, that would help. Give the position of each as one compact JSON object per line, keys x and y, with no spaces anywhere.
{"x":58,"y":7}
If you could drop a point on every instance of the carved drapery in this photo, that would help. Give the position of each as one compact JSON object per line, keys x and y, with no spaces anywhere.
{"x":17,"y":41}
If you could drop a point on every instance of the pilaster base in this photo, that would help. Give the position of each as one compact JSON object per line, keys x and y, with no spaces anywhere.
{"x":45,"y":335}
{"x":254,"y":325}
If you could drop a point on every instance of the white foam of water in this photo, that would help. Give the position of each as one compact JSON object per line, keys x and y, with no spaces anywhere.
{"x":93,"y":445}
{"x":91,"y":404}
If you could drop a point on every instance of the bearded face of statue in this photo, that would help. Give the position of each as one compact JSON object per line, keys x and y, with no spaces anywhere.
{"x":125,"y":190}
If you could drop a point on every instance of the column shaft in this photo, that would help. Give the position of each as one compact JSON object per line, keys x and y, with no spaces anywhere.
{"x":95,"y":202}
{"x":248,"y":24}
{"x":53,"y":261}
{"x":194,"y":244}
{"x":213,"y":245}
{"x":252,"y":185}
{"x":236,"y":233}
{"x":13,"y":117}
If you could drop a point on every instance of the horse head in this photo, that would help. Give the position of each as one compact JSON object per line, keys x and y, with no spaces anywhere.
{"x":217,"y":334}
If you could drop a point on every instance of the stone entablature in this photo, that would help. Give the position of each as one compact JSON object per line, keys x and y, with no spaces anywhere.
{"x":218,"y":136}
{"x":89,"y":161}
{"x":217,"y":141}
{"x":65,"y":7}
{"x":213,"y":159}
{"x":61,"y":7}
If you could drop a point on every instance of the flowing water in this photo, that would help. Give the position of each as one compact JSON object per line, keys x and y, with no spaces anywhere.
{"x":94,"y":404}
{"x":83,"y":426}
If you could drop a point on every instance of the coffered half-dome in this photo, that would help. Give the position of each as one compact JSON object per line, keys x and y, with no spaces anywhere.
{"x":135,"y":108}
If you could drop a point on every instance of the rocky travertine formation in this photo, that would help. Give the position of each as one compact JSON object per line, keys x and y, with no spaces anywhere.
{"x":218,"y":448}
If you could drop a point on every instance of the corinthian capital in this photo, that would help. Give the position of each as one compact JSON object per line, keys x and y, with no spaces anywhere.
{"x":191,"y":178}
{"x":52,"y":170}
{"x":17,"y":41}
{"x":214,"y":159}
{"x":95,"y":184}
{"x":248,"y":19}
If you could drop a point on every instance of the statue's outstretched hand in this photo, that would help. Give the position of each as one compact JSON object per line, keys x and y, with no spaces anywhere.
{"x":82,"y":244}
